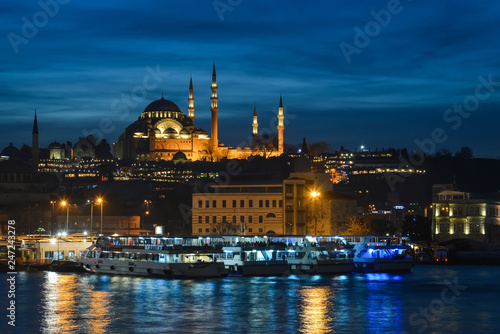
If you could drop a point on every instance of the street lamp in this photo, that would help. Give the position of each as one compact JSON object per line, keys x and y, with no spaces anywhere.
{"x":52,"y":216}
{"x":91,"y":215}
{"x":315,"y":195}
{"x":64,"y":203}
{"x":99,"y":200}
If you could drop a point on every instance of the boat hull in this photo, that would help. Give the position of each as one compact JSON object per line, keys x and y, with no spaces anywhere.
{"x":152,"y":269}
{"x":258,"y":268}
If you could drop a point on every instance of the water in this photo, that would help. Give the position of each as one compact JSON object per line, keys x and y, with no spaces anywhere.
{"x":431,"y":299}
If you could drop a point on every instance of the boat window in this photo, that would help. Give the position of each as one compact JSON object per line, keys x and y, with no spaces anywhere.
{"x":156,"y":257}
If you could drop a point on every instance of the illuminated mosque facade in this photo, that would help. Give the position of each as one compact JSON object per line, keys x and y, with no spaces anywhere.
{"x":164,"y":132}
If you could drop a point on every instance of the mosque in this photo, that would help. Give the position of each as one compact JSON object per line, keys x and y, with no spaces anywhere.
{"x":164,"y":132}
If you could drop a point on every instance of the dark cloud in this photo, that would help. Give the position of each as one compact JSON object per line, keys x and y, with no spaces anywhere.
{"x":395,"y":90}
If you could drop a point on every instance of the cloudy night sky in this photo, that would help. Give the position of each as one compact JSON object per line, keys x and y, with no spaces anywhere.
{"x":346,"y":79}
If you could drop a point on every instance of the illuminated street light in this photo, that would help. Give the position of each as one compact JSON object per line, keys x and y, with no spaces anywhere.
{"x":315,"y":195}
{"x":66,"y":204}
{"x":99,"y":200}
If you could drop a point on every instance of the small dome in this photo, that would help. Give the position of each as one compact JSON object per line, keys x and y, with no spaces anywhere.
{"x":10,"y":151}
{"x":55,"y":145}
{"x":184,"y":132}
{"x":179,"y":157}
{"x":202,"y":132}
{"x":162,"y":105}
{"x":158,"y":131}
{"x":170,"y":131}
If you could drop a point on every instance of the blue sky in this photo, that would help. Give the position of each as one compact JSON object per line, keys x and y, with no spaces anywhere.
{"x":417,"y":61}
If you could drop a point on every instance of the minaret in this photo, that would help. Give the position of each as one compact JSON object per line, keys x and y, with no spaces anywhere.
{"x":214,"y":109}
{"x":34,"y":149}
{"x":191,"y":100}
{"x":255,"y":125}
{"x":281,"y":127}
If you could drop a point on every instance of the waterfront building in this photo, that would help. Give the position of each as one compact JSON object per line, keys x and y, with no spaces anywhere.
{"x":301,"y":204}
{"x":458,"y":214}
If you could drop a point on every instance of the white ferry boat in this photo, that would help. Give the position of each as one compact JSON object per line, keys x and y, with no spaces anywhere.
{"x":253,"y":260}
{"x":153,"y":257}
{"x":380,"y":256}
{"x":311,"y":257}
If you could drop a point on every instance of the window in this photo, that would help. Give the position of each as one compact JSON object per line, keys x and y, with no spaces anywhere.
{"x":261,"y":203}
{"x":200,"y":230}
{"x":200,"y":204}
{"x":274,"y":203}
{"x":214,"y":219}
{"x":224,"y":203}
{"x":460,"y":210}
{"x":207,"y":203}
{"x":207,"y":230}
{"x":250,"y":219}
{"x":261,"y":219}
{"x":250,"y":203}
{"x":270,"y":215}
{"x":207,"y":219}
{"x":261,"y":230}
{"x":460,"y":228}
{"x":214,"y":203}
{"x":242,"y":203}
{"x":234,"y":219}
{"x":250,"y":229}
{"x":267,"y":203}
{"x":200,"y":219}
{"x":234,"y":203}
{"x":242,"y":219}
{"x":454,"y":210}
{"x":223,"y":219}
{"x":444,"y":228}
{"x":280,"y":203}
{"x":474,"y":228}
{"x":477,"y":211}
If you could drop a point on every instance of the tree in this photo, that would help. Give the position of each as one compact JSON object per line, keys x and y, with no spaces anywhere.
{"x":357,"y":225}
{"x":464,"y":153}
{"x":267,"y":143}
{"x":209,"y":151}
{"x":318,"y":148}
{"x":225,"y":227}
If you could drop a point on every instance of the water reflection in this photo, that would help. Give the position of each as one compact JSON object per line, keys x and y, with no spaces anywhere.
{"x":69,"y":307}
{"x":315,"y":308}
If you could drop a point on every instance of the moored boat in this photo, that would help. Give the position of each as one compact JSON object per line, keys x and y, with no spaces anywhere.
{"x":382,"y":258}
{"x":152,"y":257}
{"x":319,"y":258}
{"x":254,"y":260}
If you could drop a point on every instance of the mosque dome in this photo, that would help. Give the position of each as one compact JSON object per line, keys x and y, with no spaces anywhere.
{"x":55,"y":145}
{"x":10,"y":151}
{"x":184,"y":132}
{"x":179,"y":157}
{"x":162,"y":105}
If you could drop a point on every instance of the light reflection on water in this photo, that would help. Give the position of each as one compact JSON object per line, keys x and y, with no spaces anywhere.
{"x":356,"y":303}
